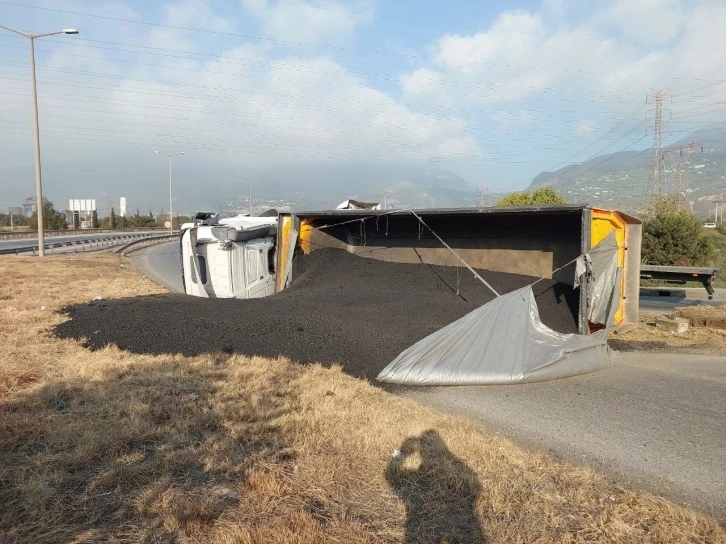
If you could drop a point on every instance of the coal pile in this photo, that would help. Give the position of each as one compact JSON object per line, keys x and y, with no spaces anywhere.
{"x":341,"y":309}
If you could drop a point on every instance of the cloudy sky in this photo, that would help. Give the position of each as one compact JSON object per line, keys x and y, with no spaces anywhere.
{"x":494,"y":92}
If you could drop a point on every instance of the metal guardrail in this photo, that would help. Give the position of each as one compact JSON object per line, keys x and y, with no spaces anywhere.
{"x":15,"y":234}
{"x":73,"y":246}
{"x":145,"y":242}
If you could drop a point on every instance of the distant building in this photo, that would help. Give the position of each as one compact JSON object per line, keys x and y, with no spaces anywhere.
{"x":122,"y":206}
{"x":30,"y":206}
{"x":81,"y":210}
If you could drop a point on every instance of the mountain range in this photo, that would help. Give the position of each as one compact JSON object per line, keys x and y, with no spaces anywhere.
{"x":621,"y":180}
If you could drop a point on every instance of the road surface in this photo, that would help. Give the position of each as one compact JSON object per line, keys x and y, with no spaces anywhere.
{"x":26,"y":242}
{"x":653,"y":421}
{"x":161,"y":263}
{"x":668,"y":304}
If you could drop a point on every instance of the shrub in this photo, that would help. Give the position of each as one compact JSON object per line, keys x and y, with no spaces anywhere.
{"x":676,"y":239}
{"x":543,"y":195}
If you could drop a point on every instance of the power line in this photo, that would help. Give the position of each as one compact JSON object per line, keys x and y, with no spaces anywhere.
{"x":103,"y":86}
{"x":375,"y":16}
{"x":274,"y":151}
{"x":297,"y":67}
{"x":342,"y":48}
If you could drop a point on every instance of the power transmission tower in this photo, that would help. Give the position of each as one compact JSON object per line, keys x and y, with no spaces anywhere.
{"x":387,"y":191}
{"x":657,"y":174}
{"x":717,"y":202}
{"x":680,"y":158}
{"x":482,"y":196}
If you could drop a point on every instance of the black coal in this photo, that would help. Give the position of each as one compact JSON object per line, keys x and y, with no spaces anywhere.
{"x":341,"y":309}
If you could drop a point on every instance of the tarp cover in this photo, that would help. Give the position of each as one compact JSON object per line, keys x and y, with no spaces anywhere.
{"x":502,"y":342}
{"x":604,"y":279}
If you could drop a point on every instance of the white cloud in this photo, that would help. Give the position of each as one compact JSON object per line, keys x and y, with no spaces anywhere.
{"x":523,"y":57}
{"x":311,"y":22}
{"x":649,"y":20}
{"x":248,"y":104}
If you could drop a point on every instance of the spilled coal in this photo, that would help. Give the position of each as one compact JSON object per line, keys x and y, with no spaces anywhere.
{"x":341,"y":309}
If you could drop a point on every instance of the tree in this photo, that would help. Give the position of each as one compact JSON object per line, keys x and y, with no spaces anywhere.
{"x":52,"y":219}
{"x":112,"y":218}
{"x":543,"y":195}
{"x":94,"y":220}
{"x":18,"y":220}
{"x":123,"y":223}
{"x":675,"y":239}
{"x":664,"y":204}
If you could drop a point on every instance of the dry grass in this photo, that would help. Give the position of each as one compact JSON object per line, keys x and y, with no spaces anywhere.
{"x":697,"y":339}
{"x":110,"y":446}
{"x":713,"y":317}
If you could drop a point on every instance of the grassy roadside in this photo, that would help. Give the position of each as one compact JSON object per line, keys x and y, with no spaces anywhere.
{"x":218,"y":448}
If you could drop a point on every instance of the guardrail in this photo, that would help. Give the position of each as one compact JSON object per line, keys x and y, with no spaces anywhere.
{"x":19,"y":234}
{"x":146,"y":242}
{"x":73,"y":246}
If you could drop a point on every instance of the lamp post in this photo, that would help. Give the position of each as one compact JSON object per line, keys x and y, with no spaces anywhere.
{"x":171,"y":217}
{"x":38,"y":179}
{"x":251,"y":183}
{"x":302,"y":197}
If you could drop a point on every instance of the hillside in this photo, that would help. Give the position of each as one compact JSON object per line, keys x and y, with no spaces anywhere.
{"x":621,"y":180}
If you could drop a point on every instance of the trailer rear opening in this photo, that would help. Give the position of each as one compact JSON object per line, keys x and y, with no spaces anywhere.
{"x":543,"y":242}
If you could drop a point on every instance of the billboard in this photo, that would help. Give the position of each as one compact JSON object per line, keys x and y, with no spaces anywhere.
{"x":15,"y":210}
{"x":80,"y":212}
{"x":122,"y":206}
{"x":83,"y":205}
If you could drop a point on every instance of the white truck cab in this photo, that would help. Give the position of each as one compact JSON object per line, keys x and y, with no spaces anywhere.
{"x":229,"y":258}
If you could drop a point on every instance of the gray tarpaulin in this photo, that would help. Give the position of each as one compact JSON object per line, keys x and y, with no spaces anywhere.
{"x":504,"y":341}
{"x":501,"y":342}
{"x":600,"y":270}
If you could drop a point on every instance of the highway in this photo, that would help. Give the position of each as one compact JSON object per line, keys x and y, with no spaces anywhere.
{"x":656,"y":422}
{"x":25,"y":242}
{"x":161,"y":263}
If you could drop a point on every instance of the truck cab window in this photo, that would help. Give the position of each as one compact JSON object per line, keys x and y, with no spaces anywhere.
{"x":271,"y":261}
{"x":202,"y":269}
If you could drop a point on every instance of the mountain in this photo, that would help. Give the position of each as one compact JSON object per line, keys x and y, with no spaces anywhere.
{"x":621,"y":180}
{"x":200,"y":184}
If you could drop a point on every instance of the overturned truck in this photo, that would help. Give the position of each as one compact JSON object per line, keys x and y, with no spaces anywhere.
{"x":576,"y":263}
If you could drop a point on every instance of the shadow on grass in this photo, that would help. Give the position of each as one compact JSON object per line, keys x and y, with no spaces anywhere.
{"x":149,"y":453}
{"x":440,"y":492}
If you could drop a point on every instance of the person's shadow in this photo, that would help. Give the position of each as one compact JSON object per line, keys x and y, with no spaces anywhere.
{"x":440,"y":492}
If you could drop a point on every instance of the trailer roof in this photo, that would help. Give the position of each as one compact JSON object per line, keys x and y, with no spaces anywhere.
{"x":494,"y":210}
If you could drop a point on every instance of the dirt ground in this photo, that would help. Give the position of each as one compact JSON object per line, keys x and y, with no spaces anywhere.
{"x":696,"y":340}
{"x":109,"y":445}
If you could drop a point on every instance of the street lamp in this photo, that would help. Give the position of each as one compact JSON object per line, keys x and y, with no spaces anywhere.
{"x":171,"y":217}
{"x":251,"y":183}
{"x":302,"y":196}
{"x":38,"y":179}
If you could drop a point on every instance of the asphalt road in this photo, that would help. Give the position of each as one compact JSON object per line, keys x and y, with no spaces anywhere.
{"x":161,"y":263}
{"x":666,"y":304}
{"x":25,"y":242}
{"x":653,"y":421}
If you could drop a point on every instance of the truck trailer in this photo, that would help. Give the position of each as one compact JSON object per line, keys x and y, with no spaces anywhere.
{"x":586,"y":259}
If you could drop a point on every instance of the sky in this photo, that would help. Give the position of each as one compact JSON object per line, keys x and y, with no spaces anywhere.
{"x":493,"y":92}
